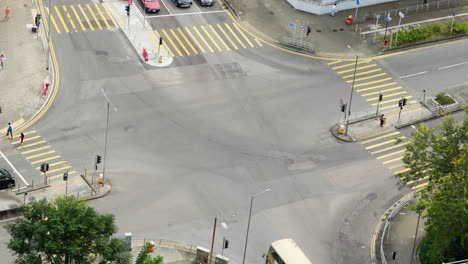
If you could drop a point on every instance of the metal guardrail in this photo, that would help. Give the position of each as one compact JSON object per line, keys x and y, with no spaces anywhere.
{"x":395,"y":210}
{"x":297,"y":44}
{"x":163,"y":243}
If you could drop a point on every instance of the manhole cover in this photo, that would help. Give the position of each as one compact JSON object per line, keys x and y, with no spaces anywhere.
{"x":341,"y":29}
{"x":318,"y":30}
{"x":335,"y":30}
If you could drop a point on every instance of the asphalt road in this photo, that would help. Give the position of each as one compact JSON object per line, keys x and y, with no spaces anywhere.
{"x":202,"y":136}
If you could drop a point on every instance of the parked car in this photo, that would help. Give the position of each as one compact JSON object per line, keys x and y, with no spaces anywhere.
{"x":151,"y":6}
{"x":206,"y":2}
{"x":183,"y":3}
{"x":7,"y":179}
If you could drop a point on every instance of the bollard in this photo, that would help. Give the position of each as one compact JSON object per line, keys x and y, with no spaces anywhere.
{"x":160,"y":59}
{"x":32,"y":184}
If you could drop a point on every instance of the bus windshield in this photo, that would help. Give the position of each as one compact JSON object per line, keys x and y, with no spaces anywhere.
{"x":286,"y":251}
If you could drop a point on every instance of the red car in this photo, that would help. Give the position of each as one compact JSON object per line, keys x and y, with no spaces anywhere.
{"x":151,"y":6}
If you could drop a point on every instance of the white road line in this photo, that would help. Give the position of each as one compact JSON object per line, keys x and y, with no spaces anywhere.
{"x":196,"y":6}
{"x":165,"y":7}
{"x":11,"y":165}
{"x":186,"y":14}
{"x":413,"y":74}
{"x":453,"y":65}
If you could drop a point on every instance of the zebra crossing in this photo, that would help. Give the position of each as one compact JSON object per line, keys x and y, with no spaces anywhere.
{"x":81,"y":17}
{"x":36,"y":151}
{"x":370,"y":81}
{"x":196,"y":40}
{"x":390,"y":149}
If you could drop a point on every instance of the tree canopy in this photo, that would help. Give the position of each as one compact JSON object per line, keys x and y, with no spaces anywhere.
{"x":440,"y":155}
{"x":66,"y":231}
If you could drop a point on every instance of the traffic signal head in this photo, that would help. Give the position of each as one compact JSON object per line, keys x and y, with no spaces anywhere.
{"x":404,"y":101}
{"x":160,"y":41}
{"x":98,"y":159}
{"x":44,"y":167}
{"x":127,"y":8}
{"x":226,"y":243}
{"x":380,"y":97}
{"x":343,"y":108}
{"x":65,"y":176}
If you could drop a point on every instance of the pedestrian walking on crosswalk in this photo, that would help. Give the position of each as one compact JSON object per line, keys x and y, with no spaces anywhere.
{"x":21,"y":138}
{"x":10,"y":130}
{"x":7,"y":13}
{"x":382,"y":120}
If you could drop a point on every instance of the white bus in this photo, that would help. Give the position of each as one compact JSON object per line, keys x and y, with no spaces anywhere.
{"x":286,"y":251}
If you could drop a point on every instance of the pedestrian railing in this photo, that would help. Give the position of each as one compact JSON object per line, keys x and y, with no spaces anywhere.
{"x":163,"y":243}
{"x":297,"y":44}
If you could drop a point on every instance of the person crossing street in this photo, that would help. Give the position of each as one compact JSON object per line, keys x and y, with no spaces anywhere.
{"x":10,"y":130}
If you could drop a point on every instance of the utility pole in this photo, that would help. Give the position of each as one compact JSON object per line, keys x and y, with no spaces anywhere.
{"x":352,"y":91}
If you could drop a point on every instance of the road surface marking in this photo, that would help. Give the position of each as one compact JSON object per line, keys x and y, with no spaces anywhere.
{"x":367,"y":83}
{"x":389,"y":148}
{"x":78,"y":18}
{"x":61,"y":19}
{"x":179,"y":41}
{"x":377,"y":138}
{"x":69,"y":18}
{"x":94,"y":16}
{"x":195,"y":40}
{"x":414,"y":74}
{"x":235,"y":35}
{"x":86,"y":17}
{"x":350,"y":64}
{"x":119,"y":17}
{"x":419,"y":186}
{"x":35,"y":150}
{"x":227,"y":37}
{"x":187,"y":40}
{"x":396,"y":166}
{"x":243,"y":35}
{"x":167,"y":48}
{"x":358,"y":68}
{"x":368,"y":77}
{"x":390,"y":154}
{"x":392,"y":160}
{"x":25,"y":140}
{"x":50,"y":158}
{"x":219,"y":37}
{"x":453,"y":65}
{"x":172,"y":42}
{"x":375,"y":87}
{"x":53,"y":21}
{"x":382,"y":91}
{"x":40,"y":154}
{"x":52,"y":164}
{"x":60,"y":175}
{"x":32,"y":144}
{"x":59,"y":169}
{"x":102,"y":15}
{"x":391,"y":106}
{"x":202,"y":38}
{"x":334,"y":62}
{"x":361,"y":73}
{"x":109,"y":15}
{"x":384,"y":143}
{"x":386,"y":96}
{"x":391,"y":100}
{"x":211,"y":38}
{"x":11,"y":165}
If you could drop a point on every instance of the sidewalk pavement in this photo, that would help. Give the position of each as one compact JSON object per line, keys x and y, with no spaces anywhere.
{"x":330,"y":35}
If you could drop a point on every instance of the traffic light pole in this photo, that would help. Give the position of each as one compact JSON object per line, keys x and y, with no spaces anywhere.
{"x":222,"y":250}
{"x":107,"y":132}
{"x":352,"y":91}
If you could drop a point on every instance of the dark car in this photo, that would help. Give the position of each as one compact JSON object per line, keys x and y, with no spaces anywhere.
{"x":7,"y":179}
{"x":206,"y":2}
{"x":183,"y":3}
{"x":151,"y":6}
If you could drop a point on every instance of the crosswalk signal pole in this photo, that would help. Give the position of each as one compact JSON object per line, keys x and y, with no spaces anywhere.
{"x":159,"y":46}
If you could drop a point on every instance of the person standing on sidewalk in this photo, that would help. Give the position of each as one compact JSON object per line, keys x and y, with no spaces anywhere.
{"x":7,"y":13}
{"x":9,"y":130}
{"x":21,"y":138}
{"x":333,"y":12}
{"x":382,"y":120}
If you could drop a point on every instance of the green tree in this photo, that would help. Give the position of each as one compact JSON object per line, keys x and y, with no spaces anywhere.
{"x":66,"y":231}
{"x":441,"y":156}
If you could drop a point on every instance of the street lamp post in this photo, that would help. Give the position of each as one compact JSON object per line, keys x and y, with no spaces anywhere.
{"x":107,"y":132}
{"x":224,"y":226}
{"x":352,"y":90}
{"x":248,"y":223}
{"x":48,"y":33}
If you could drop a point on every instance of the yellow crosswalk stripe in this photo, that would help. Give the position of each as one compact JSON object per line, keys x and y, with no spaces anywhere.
{"x":418,"y":180}
{"x":235,"y":35}
{"x":386,"y":96}
{"x":419,"y":186}
{"x":69,"y":17}
{"x":180,"y":42}
{"x":35,"y":150}
{"x":401,"y":171}
{"x":109,"y":15}
{"x":392,"y":100}
{"x":61,"y":175}
{"x":25,"y":133}
{"x":53,"y":21}
{"x":376,"y":81}
{"x":382,"y":91}
{"x":227,"y":37}
{"x":78,"y":18}
{"x":211,"y":38}
{"x":219,"y":37}
{"x":334,"y":62}
{"x":258,"y":42}
{"x":367,"y":78}
{"x":383,"y":143}
{"x":26,"y":139}
{"x":377,"y":138}
{"x":396,"y":105}
{"x":195,"y":40}
{"x":375,"y":87}
{"x":94,"y":16}
{"x":203,"y":39}
{"x":59,"y":169}
{"x":349,"y":64}
{"x":102,"y":15}
{"x":357,"y":69}
{"x":390,"y":154}
{"x":30,"y":145}
{"x":46,"y":159}
{"x":52,"y":164}
{"x":119,"y":17}
{"x":61,"y":19}
{"x":392,"y":160}
{"x":187,"y":40}
{"x":389,"y":148}
{"x":361,"y":73}
{"x":86,"y":17}
{"x":243,"y":35}
{"x":172,"y":42}
{"x":164,"y":45}
{"x":40,"y":154}
{"x":396,"y":166}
